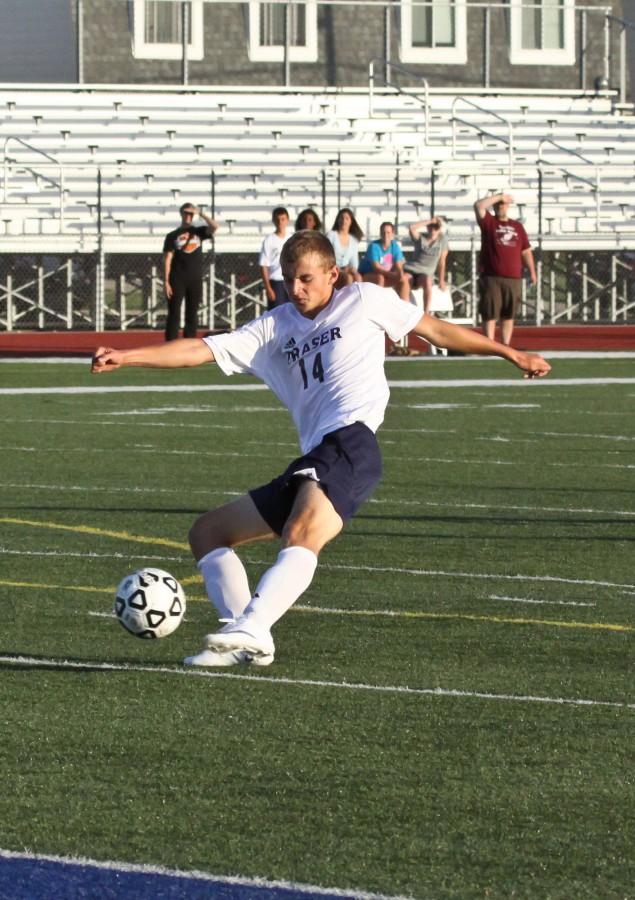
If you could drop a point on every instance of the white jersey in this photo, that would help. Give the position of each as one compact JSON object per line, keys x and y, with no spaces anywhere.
{"x":327,"y":371}
{"x":270,"y":254}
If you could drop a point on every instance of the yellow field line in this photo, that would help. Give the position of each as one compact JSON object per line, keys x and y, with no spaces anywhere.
{"x":89,"y":529}
{"x":399,"y":614}
{"x":38,"y":585}
{"x":470,"y":617}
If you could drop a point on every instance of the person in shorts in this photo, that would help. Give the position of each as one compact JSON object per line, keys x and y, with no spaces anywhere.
{"x":429,"y":257}
{"x":322,"y":354}
{"x":505,"y":250}
{"x":383,"y":262}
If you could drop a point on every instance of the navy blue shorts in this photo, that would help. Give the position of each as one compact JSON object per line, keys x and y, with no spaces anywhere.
{"x":346,"y":465}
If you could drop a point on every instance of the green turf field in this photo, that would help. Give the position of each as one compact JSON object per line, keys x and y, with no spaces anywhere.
{"x":451,"y":711}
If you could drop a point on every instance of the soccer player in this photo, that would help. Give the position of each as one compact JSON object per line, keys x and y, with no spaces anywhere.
{"x":322,"y":354}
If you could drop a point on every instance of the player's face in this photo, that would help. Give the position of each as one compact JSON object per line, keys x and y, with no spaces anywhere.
{"x":309,"y":284}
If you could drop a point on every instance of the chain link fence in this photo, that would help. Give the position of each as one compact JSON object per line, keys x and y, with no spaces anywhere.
{"x":124,"y":291}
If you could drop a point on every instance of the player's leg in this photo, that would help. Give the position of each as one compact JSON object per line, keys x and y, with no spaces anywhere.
{"x":212,"y":539}
{"x":193,"y":297}
{"x":312,"y":523}
{"x":173,"y":321}
{"x":307,"y":506}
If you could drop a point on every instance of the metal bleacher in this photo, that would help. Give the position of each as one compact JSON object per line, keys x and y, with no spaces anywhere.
{"x":117,"y":162}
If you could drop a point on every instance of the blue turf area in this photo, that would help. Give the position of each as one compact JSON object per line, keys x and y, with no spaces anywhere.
{"x":40,"y":879}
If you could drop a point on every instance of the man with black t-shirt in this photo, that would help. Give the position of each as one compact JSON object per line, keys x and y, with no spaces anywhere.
{"x":183,"y":270}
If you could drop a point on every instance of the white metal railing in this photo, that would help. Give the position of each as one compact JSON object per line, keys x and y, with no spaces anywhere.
{"x":594,"y":185}
{"x":509,"y":141}
{"x":7,"y":168}
{"x":389,"y":66}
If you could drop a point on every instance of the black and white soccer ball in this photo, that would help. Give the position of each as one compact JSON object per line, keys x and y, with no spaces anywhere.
{"x":150,"y":603}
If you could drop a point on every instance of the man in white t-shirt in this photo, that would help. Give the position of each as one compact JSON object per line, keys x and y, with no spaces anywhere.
{"x":322,"y":354}
{"x":269,"y":259}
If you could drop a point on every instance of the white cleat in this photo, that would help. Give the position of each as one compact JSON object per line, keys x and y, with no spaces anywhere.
{"x":243,"y":635}
{"x":213,"y":659}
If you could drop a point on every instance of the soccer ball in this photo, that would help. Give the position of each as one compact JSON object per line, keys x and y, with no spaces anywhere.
{"x":150,"y":603}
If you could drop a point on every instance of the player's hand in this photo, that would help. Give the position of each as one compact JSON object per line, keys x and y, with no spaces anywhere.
{"x":533,"y":365}
{"x":106,"y":359}
{"x":168,"y":290}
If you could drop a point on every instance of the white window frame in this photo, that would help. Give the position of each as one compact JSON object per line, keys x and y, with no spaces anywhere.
{"x":275,"y":53}
{"x":456,"y":55}
{"x":520,"y":56}
{"x":141,"y":49}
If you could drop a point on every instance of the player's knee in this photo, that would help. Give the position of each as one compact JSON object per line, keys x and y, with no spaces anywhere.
{"x":203,"y":537}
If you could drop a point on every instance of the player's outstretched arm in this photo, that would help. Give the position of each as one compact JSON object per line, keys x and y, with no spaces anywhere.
{"x":464,"y":340}
{"x":171,"y":355}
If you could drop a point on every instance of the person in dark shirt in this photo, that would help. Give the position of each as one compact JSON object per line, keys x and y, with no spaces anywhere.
{"x":505,"y":250}
{"x":183,"y":270}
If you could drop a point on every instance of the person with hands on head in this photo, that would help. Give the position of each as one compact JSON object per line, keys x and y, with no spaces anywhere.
{"x":430,"y":256}
{"x":505,"y":250}
{"x":322,"y":354}
{"x":183,"y":269}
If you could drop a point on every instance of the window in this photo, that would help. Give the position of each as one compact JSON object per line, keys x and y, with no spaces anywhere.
{"x":434,"y":31}
{"x":267,"y":27}
{"x":542,"y":33}
{"x":158,"y":29}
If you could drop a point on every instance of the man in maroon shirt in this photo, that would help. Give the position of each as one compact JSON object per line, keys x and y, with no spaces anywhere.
{"x":505,"y":249}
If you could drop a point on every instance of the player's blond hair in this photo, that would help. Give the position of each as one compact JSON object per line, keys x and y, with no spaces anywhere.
{"x":307,"y":243}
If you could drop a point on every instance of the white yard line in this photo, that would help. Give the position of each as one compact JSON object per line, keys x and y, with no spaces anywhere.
{"x":37,"y":662}
{"x":213,"y":880}
{"x":210,"y":388}
{"x":539,"y":602}
{"x":437,"y":504}
{"x":224,"y":454}
{"x":392,"y":570}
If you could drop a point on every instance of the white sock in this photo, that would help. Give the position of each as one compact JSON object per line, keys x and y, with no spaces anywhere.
{"x":282,"y":584}
{"x":225,"y":582}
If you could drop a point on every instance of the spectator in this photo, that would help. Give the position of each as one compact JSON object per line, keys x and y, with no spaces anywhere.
{"x":183,"y":270}
{"x":345,"y":237}
{"x":505,"y":249}
{"x":383,"y":262}
{"x":308,"y":220}
{"x":430,"y":256}
{"x":322,"y":354}
{"x":269,"y":259}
